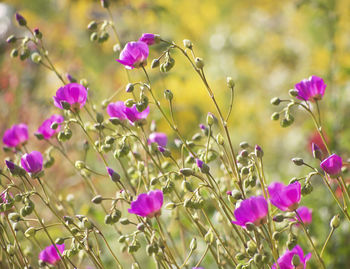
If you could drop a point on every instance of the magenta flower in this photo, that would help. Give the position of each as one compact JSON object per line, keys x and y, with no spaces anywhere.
{"x":16,"y":136}
{"x":122,"y":112}
{"x":133,"y":115}
{"x":311,"y":89}
{"x":285,"y":261}
{"x":252,"y":210}
{"x":74,"y":94}
{"x":305,"y":214}
{"x":116,"y":110}
{"x":45,"y":128}
{"x":286,"y":198}
{"x":50,"y":255}
{"x":147,"y":204}
{"x":332,"y":165}
{"x":134,"y":55}
{"x":149,"y":39}
{"x":160,"y":138}
{"x":32,"y":162}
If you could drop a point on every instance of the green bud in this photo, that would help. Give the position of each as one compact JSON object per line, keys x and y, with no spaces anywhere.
{"x":210,"y":119}
{"x":36,"y":58}
{"x":115,"y":121}
{"x":59,"y":240}
{"x":93,"y":36}
{"x":186,"y":186}
{"x":275,"y":101}
{"x":230,"y":82}
{"x":155,"y":63}
{"x":187,"y":44}
{"x":209,"y":237}
{"x":97,"y":199}
{"x":92,"y":25}
{"x":335,"y":222}
{"x":298,"y":161}
{"x":276,"y":236}
{"x":220,"y":139}
{"x":199,"y":63}
{"x":30,"y":232}
{"x":99,"y":117}
{"x":296,"y":261}
{"x":193,"y":244}
{"x":251,"y":247}
{"x":293,"y":93}
{"x":11,"y":39}
{"x":10,"y":249}
{"x":14,"y":217}
{"x":14,"y":53}
{"x":170,"y":206}
{"x":187,"y":172}
{"x":236,"y":194}
{"x":124,"y":221}
{"x":79,"y":165}
{"x":168,"y":95}
{"x":278,"y":218}
{"x":258,"y":259}
{"x":129,"y":103}
{"x":105,"y":3}
{"x":307,"y":188}
{"x":275,"y":116}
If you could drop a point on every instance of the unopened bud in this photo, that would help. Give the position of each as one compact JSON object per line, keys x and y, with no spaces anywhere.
{"x":97,"y":199}
{"x":230,"y":82}
{"x":30,"y":232}
{"x":335,"y":222}
{"x":129,"y":87}
{"x":36,"y":58}
{"x":193,"y":244}
{"x":293,"y":92}
{"x":155,"y":63}
{"x":199,"y":63}
{"x":168,"y":95}
{"x":79,"y":165}
{"x":186,"y":172}
{"x":187,"y":43}
{"x":298,"y":161}
{"x":275,"y":101}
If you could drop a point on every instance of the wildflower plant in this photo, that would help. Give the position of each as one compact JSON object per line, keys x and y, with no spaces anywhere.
{"x":179,"y":202}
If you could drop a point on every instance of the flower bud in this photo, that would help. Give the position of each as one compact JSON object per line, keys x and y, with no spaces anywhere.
{"x":37,"y":33}
{"x":298,"y":161}
{"x":59,"y":240}
{"x":275,"y":101}
{"x":168,"y":95}
{"x":155,"y":63}
{"x":220,"y":139}
{"x":335,"y":222}
{"x":79,"y":165}
{"x":316,"y":151}
{"x":129,"y":87}
{"x":244,"y":145}
{"x":108,"y":219}
{"x":209,"y":237}
{"x":10,"y":249}
{"x":92,"y":26}
{"x":97,"y":199}
{"x":105,"y":3}
{"x":275,"y":116}
{"x":276,"y":236}
{"x":93,"y":36}
{"x":199,"y":63}
{"x":115,"y":121}
{"x":124,"y":221}
{"x":187,"y":172}
{"x":11,"y":39}
{"x":210,"y":119}
{"x":129,"y":103}
{"x":293,"y":93}
{"x":170,"y":206}
{"x":296,"y":261}
{"x":230,"y":82}
{"x":306,"y":189}
{"x":20,"y":19}
{"x":36,"y":58}
{"x":236,"y":194}
{"x":14,"y":53}
{"x":14,"y":217}
{"x":193,"y":244}
{"x":187,"y":44}
{"x":278,"y":218}
{"x":30,"y":232}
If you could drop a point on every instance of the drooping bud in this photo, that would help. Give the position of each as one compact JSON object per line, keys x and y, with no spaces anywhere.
{"x":187,"y":44}
{"x":105,"y":3}
{"x":129,"y":87}
{"x":316,"y":151}
{"x":20,"y":19}
{"x":298,"y":161}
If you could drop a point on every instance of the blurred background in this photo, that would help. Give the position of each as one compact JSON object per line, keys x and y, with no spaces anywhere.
{"x":266,"y":46}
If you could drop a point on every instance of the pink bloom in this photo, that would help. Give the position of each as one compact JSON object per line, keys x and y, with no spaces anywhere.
{"x":252,"y":210}
{"x":133,"y":115}
{"x":45,"y":128}
{"x":285,"y":261}
{"x":286,"y":198}
{"x":134,"y":55}
{"x":32,"y":162}
{"x":332,"y":165}
{"x":147,"y":204}
{"x":149,"y":39}
{"x":74,"y":94}
{"x":311,"y":89}
{"x":122,"y":112}
{"x":159,"y":138}
{"x":116,"y":110}
{"x":50,"y":255}
{"x":305,"y":214}
{"x":16,"y":136}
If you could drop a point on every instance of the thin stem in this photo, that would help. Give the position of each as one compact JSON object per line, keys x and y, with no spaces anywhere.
{"x":327,"y":240}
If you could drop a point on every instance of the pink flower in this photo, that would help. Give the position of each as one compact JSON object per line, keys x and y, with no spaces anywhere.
{"x":286,"y":198}
{"x":122,"y":112}
{"x":74,"y":94}
{"x":147,"y":204}
{"x":305,"y":215}
{"x":311,"y":89}
{"x":160,"y":138}
{"x":252,"y":210}
{"x":134,"y":55}
{"x":50,"y":255}
{"x":285,"y":261}
{"x":332,"y":165}
{"x":16,"y":136}
{"x":149,"y":39}
{"x":45,"y":128}
{"x":32,"y":162}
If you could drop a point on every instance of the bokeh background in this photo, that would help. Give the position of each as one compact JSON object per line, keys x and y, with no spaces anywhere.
{"x":266,"y":46}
